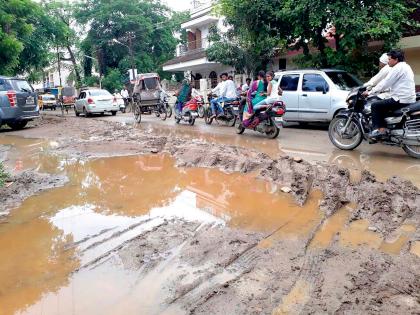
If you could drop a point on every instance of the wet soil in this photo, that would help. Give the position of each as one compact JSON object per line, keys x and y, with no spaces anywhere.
{"x":161,"y":230}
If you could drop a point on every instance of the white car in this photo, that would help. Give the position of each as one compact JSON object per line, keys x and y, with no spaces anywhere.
{"x":315,"y":95}
{"x":95,"y":101}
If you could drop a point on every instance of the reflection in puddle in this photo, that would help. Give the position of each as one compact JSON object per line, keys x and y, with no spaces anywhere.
{"x":111,"y":201}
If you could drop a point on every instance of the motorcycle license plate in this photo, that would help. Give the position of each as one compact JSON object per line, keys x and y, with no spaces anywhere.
{"x":278,"y":119}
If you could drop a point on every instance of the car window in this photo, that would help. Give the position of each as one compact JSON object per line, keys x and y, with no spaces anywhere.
{"x":344,"y":80}
{"x":289,"y":82}
{"x":99,"y":93}
{"x":4,"y":85}
{"x":313,"y":83}
{"x":48,"y":98}
{"x":82,"y":95}
{"x":21,"y":86}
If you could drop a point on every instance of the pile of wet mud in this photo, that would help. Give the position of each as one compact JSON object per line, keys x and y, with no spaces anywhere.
{"x":202,"y":268}
{"x":25,"y":184}
{"x":385,"y":204}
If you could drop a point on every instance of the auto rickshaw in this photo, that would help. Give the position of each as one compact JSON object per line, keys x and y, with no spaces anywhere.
{"x":149,"y":97}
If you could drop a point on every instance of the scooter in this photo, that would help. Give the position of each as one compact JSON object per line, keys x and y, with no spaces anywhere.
{"x":266,"y":120}
{"x":189,"y":112}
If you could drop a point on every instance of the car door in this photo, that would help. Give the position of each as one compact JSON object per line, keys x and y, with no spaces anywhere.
{"x":79,"y":102}
{"x":289,"y":84}
{"x":315,"y":98}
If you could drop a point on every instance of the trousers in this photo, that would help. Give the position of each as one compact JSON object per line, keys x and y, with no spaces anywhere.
{"x":381,"y":109}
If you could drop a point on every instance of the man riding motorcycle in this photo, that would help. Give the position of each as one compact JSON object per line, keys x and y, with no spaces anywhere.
{"x":226,"y":92}
{"x":400,"y":81}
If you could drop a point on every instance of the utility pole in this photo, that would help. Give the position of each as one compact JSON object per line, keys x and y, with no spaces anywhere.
{"x":58,"y":65}
{"x":130,"y":37}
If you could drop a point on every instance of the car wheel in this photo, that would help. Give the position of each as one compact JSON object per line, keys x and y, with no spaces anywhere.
{"x":114,"y":113}
{"x":85,"y":113}
{"x":18,"y":125}
{"x":76,"y":112}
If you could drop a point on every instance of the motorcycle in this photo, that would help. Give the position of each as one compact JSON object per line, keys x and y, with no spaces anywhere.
{"x":350,"y":127}
{"x":189,"y":111}
{"x":229,"y":115}
{"x":266,"y":120}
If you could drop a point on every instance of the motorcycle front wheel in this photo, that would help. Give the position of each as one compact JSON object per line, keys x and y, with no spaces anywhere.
{"x":137,"y":114}
{"x":348,"y":139}
{"x":169,"y":110}
{"x":201,"y":111}
{"x":412,"y":150}
{"x":240,"y":129}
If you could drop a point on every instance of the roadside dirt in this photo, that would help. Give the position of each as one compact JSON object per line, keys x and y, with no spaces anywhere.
{"x":196,"y":268}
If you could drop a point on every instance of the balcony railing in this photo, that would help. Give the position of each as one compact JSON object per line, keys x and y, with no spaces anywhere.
{"x":192,"y":47}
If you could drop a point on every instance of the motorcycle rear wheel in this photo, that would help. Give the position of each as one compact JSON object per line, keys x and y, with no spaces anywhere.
{"x":240,"y":129}
{"x":412,"y":150}
{"x":338,"y":140}
{"x":232,"y":121}
{"x":207,"y":118}
{"x":273,"y":134}
{"x":162,"y":113}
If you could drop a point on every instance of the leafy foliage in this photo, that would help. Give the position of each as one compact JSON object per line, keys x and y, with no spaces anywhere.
{"x":330,"y":33}
{"x":113,"y":81}
{"x":152,"y":24}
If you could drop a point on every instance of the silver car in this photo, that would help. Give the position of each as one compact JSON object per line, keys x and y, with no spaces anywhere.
{"x":95,"y":101}
{"x":315,"y":95}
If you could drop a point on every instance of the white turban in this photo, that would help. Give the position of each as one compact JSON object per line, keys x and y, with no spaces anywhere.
{"x":384,"y":59}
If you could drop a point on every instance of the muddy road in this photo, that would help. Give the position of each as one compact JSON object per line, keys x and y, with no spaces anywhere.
{"x":104,"y":217}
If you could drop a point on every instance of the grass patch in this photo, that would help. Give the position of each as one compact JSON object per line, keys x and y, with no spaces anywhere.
{"x":3,"y":175}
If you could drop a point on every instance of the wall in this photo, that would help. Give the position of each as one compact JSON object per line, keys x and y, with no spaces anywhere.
{"x":412,"y":56}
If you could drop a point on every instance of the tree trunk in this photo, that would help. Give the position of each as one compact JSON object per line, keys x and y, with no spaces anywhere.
{"x":321,"y":46}
{"x":76,"y":69}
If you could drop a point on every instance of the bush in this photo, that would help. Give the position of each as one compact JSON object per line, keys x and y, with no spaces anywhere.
{"x":3,"y":175}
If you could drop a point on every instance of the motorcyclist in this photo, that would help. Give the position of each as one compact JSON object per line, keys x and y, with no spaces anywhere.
{"x":400,"y":81}
{"x":384,"y":69}
{"x":226,"y":92}
{"x":183,"y":95}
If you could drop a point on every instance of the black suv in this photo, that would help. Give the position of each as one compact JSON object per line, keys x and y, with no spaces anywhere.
{"x":18,"y":102}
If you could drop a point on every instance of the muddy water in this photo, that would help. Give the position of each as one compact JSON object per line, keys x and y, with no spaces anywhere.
{"x":109,"y":202}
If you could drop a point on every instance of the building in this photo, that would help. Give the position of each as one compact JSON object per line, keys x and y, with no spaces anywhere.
{"x":191,"y":59}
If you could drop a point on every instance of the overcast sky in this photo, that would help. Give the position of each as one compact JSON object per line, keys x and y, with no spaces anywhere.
{"x":178,"y":5}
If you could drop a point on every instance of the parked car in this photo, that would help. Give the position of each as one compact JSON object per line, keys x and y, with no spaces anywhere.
{"x":46,"y":101}
{"x":95,"y":101}
{"x":120,"y":102}
{"x":18,"y":102}
{"x":315,"y":95}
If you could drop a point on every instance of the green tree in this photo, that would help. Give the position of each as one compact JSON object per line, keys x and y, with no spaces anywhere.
{"x":261,"y":29}
{"x":113,"y":81}
{"x":152,"y":24}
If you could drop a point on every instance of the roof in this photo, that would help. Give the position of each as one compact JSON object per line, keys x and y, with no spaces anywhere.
{"x":11,"y":78}
{"x":311,"y":69}
{"x":191,"y":55}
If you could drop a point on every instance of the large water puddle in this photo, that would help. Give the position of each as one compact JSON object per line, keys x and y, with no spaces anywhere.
{"x":109,"y":202}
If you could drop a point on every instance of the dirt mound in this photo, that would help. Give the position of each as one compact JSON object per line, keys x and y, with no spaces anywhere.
{"x":24,"y":185}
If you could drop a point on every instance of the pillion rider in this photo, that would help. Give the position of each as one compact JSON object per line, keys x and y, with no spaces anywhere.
{"x":400,"y":81}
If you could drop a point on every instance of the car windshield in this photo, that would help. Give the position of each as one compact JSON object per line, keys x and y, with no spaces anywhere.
{"x":48,"y":98}
{"x":151,"y":83}
{"x":99,"y":93}
{"x":343,"y":80}
{"x":21,"y":86}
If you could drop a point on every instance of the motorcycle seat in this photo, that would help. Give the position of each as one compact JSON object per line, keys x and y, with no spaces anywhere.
{"x":408,"y":109}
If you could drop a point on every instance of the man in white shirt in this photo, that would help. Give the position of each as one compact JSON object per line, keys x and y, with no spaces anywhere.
{"x":384,"y":69}
{"x":400,"y":80}
{"x":125,"y":95}
{"x":226,"y":92}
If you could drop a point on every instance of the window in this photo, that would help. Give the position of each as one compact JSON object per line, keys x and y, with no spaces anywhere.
{"x":314,"y":83}
{"x":213,"y":79}
{"x":21,"y":86}
{"x":343,"y":80}
{"x":289,"y":82}
{"x":99,"y":93}
{"x":4,"y":85}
